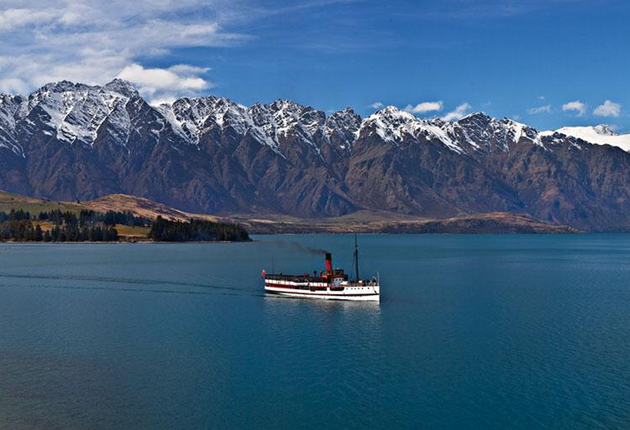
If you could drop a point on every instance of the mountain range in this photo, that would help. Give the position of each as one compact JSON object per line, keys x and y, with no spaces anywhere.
{"x":70,"y":141}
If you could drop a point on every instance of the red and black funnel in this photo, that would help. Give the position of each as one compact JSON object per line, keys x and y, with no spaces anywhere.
{"x":329,"y":265}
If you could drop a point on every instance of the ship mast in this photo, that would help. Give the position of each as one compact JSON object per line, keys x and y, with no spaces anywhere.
{"x":356,"y":257}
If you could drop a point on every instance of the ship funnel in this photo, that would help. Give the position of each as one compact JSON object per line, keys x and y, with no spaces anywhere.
{"x":329,"y":266}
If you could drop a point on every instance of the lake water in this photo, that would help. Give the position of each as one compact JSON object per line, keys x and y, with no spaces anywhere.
{"x":473,"y":332}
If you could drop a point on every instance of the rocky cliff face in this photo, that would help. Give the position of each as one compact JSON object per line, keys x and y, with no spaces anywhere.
{"x":73,"y":141}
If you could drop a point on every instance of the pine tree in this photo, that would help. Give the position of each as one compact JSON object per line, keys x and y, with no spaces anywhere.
{"x":39,"y":236}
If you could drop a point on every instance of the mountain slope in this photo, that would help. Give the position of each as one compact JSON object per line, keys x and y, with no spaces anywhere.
{"x":70,"y":142}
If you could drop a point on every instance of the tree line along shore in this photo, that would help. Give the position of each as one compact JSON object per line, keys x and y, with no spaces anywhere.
{"x":91,"y":226}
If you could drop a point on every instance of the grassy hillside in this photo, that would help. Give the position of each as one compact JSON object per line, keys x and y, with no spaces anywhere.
{"x":138,"y":206}
{"x":370,"y":222}
{"x":33,"y":205}
{"x":141,"y":207}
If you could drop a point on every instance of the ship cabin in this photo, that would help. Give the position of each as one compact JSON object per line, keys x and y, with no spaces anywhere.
{"x":332,"y":277}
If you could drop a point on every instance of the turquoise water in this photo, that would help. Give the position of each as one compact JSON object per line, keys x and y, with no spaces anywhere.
{"x":473,"y":332}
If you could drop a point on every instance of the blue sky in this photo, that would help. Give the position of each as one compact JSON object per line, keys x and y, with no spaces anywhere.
{"x":547,"y":63}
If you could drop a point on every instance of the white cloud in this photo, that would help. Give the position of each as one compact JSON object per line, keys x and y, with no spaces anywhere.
{"x":539,"y":109}
{"x":575,"y":106}
{"x":93,"y":41}
{"x":608,"y":109}
{"x":425,"y":107}
{"x":377,"y":105}
{"x":13,"y":86}
{"x":174,"y":79}
{"x":459,"y":112}
{"x":12,"y":19}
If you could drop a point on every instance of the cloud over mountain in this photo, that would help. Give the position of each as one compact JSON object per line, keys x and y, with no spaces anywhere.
{"x":575,"y":106}
{"x":539,"y":110}
{"x":93,"y":42}
{"x":459,"y":112}
{"x":608,"y":109}
{"x":425,"y":107}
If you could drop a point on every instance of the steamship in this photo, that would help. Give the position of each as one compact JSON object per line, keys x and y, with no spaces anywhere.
{"x":332,"y":284}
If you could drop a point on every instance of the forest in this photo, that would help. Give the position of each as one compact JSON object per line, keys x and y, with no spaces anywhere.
{"x":163,"y":230}
{"x":86,"y":226}
{"x":91,"y":226}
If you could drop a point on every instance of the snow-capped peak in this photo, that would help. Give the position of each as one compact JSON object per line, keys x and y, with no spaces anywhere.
{"x":192,"y":117}
{"x":475,"y":117}
{"x":288,"y":115}
{"x":10,"y":107}
{"x":342,"y":127}
{"x":598,"y":135}
{"x":268,"y":124}
{"x":476,"y":130}
{"x":122,"y":87}
{"x":74,"y":112}
{"x":488,"y":134}
{"x":517,"y":131}
{"x":392,"y":114}
{"x":392,"y":125}
{"x":605,"y":130}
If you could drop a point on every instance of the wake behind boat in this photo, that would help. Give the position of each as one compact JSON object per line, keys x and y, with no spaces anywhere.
{"x":332,"y":284}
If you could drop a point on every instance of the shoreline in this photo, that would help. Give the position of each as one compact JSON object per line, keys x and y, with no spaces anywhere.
{"x":144,"y":242}
{"x":117,"y":242}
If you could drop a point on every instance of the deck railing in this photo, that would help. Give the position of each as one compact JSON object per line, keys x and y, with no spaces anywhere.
{"x":307,"y":279}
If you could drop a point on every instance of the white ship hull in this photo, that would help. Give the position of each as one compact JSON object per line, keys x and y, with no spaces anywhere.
{"x":347,"y":292}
